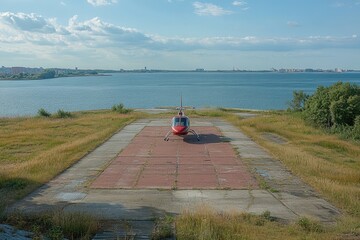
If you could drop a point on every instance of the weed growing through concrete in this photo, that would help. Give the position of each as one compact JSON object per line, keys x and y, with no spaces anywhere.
{"x":56,"y":225}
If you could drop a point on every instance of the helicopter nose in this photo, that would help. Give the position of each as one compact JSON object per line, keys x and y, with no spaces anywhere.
{"x":180,"y":129}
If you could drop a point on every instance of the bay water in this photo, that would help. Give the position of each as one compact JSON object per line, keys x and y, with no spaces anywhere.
{"x":255,"y":90}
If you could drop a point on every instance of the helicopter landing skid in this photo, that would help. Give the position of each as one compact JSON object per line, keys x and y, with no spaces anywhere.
{"x":166,"y":138}
{"x":193,"y":132}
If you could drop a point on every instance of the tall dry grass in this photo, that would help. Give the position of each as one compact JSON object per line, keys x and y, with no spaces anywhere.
{"x":329,"y":164}
{"x":56,"y":224}
{"x":34,"y":150}
{"x":206,"y":224}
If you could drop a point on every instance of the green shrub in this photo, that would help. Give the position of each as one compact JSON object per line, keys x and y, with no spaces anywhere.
{"x":63,"y":114}
{"x":120,"y":108}
{"x":43,"y":113}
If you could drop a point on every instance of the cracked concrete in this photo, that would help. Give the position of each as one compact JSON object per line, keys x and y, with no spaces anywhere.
{"x":70,"y":190}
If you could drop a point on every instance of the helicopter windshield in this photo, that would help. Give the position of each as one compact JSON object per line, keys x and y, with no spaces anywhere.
{"x":180,"y":121}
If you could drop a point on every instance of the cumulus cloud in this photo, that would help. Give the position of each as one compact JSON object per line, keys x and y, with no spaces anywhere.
{"x":27,"y":22}
{"x":209,"y":9}
{"x":96,"y":30}
{"x":101,"y":2}
{"x":93,"y":33}
{"x":34,"y":30}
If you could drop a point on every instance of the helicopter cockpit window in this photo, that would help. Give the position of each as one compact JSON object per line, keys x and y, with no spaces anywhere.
{"x":180,"y":121}
{"x":183,"y":122}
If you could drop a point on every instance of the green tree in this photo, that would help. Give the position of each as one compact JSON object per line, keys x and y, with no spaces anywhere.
{"x":47,"y":74}
{"x":338,"y":104}
{"x":298,"y":101}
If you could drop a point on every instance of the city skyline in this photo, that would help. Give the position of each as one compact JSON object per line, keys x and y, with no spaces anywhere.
{"x":180,"y":34}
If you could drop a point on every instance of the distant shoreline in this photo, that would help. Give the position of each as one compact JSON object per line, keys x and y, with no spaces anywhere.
{"x":64,"y":76}
{"x":59,"y":73}
{"x":166,"y":71}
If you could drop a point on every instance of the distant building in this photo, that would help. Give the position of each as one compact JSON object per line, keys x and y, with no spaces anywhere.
{"x":18,"y":70}
{"x":338,"y":70}
{"x":5,"y":70}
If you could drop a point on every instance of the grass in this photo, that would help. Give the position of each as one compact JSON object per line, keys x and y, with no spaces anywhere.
{"x":204,"y":223}
{"x":34,"y":150}
{"x":63,"y":114}
{"x":56,"y":225}
{"x":164,"y":228}
{"x":329,"y":164}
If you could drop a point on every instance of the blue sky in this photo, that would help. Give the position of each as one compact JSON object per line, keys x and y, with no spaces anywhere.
{"x":180,"y":34}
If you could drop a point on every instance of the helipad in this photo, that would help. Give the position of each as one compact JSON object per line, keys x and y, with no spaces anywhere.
{"x":180,"y":163}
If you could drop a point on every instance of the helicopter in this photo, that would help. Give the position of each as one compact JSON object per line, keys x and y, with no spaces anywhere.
{"x":180,"y":124}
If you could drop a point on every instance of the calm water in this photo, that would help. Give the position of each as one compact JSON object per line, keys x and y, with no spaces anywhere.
{"x":149,"y":90}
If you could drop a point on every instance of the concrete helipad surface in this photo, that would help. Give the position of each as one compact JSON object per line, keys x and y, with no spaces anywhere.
{"x":136,"y":176}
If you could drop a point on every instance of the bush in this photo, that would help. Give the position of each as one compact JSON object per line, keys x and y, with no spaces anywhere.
{"x":334,"y":106}
{"x":63,"y":114}
{"x":43,"y":113}
{"x":120,"y":108}
{"x":356,"y":128}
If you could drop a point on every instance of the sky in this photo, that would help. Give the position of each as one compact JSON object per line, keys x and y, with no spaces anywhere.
{"x":180,"y":34}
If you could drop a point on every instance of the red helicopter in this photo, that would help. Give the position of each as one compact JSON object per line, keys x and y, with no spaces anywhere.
{"x":180,"y":124}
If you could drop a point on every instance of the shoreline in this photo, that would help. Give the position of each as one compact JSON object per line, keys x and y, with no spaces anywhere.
{"x":155,"y":110}
{"x":68,"y":76}
{"x":178,"y":71}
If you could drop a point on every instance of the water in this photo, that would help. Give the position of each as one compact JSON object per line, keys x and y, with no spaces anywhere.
{"x":148,"y":90}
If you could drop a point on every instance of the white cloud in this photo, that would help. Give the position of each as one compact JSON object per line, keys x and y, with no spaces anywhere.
{"x":209,"y":9}
{"x":37,"y":30}
{"x":101,"y":2}
{"x":242,"y":4}
{"x":293,"y":24}
{"x":346,"y":3}
{"x":94,"y":39}
{"x":239,"y":3}
{"x":27,"y":22}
